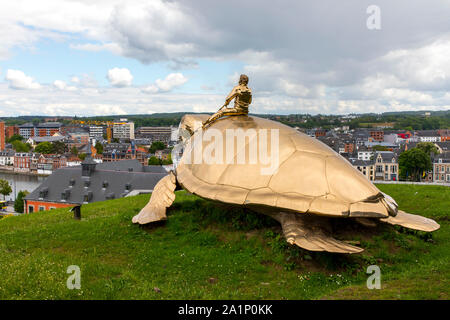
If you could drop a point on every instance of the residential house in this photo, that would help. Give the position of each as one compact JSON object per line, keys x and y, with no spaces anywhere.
{"x":364,"y":153}
{"x":22,"y":161}
{"x":441,"y":168}
{"x":443,"y":147}
{"x":35,"y":140}
{"x":47,"y":163}
{"x":7,"y":159}
{"x":386,"y":166}
{"x":366,"y":167}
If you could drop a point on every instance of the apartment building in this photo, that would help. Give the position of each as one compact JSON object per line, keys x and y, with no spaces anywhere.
{"x":45,"y":129}
{"x":123,"y":129}
{"x":96,"y":132}
{"x":377,"y":135}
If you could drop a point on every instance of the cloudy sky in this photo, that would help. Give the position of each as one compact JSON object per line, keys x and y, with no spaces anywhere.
{"x":83,"y":57}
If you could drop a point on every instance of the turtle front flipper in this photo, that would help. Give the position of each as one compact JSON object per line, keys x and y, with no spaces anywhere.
{"x":162,"y":197}
{"x":311,"y":233}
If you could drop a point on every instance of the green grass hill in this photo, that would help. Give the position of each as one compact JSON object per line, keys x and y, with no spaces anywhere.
{"x":211,"y":251}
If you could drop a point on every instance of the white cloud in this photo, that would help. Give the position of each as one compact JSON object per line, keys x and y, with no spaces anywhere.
{"x":61,"y":85}
{"x":19,"y":80}
{"x":120,"y":77}
{"x":170,"y":82}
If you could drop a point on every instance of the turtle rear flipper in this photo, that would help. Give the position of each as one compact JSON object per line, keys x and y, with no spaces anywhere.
{"x":162,"y":197}
{"x":412,"y":221}
{"x":310,"y":232}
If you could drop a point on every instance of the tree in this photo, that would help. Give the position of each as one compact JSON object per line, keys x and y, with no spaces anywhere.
{"x":413,"y":163}
{"x":59,"y":147}
{"x":15,"y":137}
{"x":157,"y":145}
{"x":44,"y":147}
{"x":74,"y":151}
{"x":19,"y":146}
{"x":82,"y":156}
{"x":154,"y":161}
{"x":18,"y":204}
{"x":5,"y":188}
{"x":428,"y":148}
{"x":99,"y":147}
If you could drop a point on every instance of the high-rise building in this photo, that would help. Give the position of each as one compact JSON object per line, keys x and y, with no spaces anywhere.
{"x":2,"y":136}
{"x":123,"y":129}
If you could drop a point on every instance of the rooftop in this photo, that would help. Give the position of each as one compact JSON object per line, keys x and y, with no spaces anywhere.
{"x":108,"y":181}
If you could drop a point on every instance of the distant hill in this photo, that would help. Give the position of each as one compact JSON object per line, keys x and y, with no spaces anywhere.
{"x":406,"y":120}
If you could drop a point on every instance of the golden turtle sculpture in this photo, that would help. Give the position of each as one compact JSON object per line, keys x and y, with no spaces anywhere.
{"x":310,"y":185}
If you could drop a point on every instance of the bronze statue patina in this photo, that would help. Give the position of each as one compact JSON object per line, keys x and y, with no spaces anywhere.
{"x":310,"y":186}
{"x":242,"y":96}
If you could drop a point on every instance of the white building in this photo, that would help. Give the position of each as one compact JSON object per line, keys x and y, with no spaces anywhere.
{"x":123,"y":130}
{"x":7,"y":158}
{"x":428,"y":136}
{"x":95,"y":132}
{"x":174,"y":134}
{"x":365,"y":155}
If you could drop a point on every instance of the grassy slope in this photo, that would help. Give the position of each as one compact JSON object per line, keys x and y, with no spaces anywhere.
{"x":209,"y":251}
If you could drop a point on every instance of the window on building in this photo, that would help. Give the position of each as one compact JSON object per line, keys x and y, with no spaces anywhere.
{"x":386,"y":176}
{"x":52,"y":208}
{"x":379,"y":169}
{"x":30,"y":209}
{"x":386,"y":168}
{"x":41,"y":208}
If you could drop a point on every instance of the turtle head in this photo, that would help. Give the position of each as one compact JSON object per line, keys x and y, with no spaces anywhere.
{"x":188,"y":125}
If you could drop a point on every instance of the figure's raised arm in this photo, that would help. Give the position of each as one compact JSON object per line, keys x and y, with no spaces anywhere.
{"x":231,"y":96}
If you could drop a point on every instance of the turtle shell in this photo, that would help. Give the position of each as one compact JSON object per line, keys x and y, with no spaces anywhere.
{"x":309,"y":177}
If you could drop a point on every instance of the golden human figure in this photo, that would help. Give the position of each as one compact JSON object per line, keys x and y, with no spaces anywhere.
{"x":242,"y":96}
